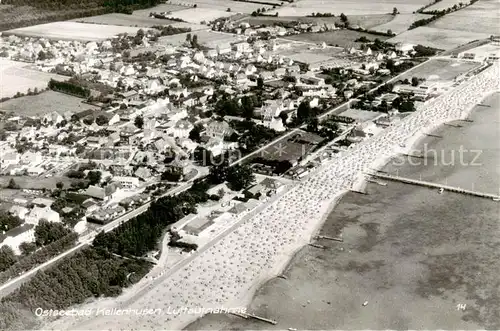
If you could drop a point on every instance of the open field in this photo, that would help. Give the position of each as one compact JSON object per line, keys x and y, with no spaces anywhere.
{"x":123,"y":20}
{"x":19,"y":77}
{"x":157,"y":9}
{"x":348,"y":7}
{"x":400,"y":23}
{"x":438,"y":38}
{"x":365,"y":21}
{"x":36,"y":183}
{"x":441,"y":69}
{"x":198,"y":15}
{"x":206,"y":38}
{"x":68,"y":30}
{"x":44,"y":103}
{"x":482,"y":17}
{"x":340,"y":38}
{"x":223,"y":5}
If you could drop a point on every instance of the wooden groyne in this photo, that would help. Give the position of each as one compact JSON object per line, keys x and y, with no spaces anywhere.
{"x":453,"y":125}
{"x":330,"y":238}
{"x":260,"y":318}
{"x":437,"y":186}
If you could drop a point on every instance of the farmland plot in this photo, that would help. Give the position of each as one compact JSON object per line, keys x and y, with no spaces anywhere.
{"x":445,"y":4}
{"x":342,"y":38}
{"x":481,"y":17}
{"x":19,"y":77}
{"x":123,"y":20}
{"x":206,"y":38}
{"x":348,"y":7}
{"x":400,"y":23}
{"x":223,"y":5}
{"x":437,"y":38}
{"x":365,"y":21}
{"x":45,"y":103}
{"x":68,"y":30}
{"x":157,"y":9}
{"x":198,"y":15}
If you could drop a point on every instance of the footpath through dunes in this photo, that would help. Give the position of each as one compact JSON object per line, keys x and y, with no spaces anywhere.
{"x":228,"y":273}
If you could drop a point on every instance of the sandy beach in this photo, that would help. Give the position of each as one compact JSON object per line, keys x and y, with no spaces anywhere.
{"x":227,"y":273}
{"x":409,"y":251}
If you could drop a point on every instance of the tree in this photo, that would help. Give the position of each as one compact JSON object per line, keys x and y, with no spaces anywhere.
{"x":284,"y":117}
{"x":12,"y":184}
{"x":188,"y":37}
{"x":171,"y":175}
{"x":228,"y":10}
{"x":312,"y":124}
{"x":139,"y":122}
{"x":389,"y":32}
{"x":240,"y":177}
{"x":94,"y":177}
{"x":304,"y":111}
{"x":221,"y":193}
{"x":195,"y":133}
{"x":194,"y":40}
{"x":343,"y":18}
{"x":7,"y":258}
{"x":27,"y":248}
{"x":60,"y":185}
{"x":395,"y":11}
{"x":414,"y":81}
{"x":218,"y":173}
{"x":47,"y":232}
{"x":101,"y":120}
{"x":260,"y":83}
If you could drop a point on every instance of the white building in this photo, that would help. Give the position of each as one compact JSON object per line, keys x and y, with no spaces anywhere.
{"x":15,"y":237}
{"x":126,"y":181}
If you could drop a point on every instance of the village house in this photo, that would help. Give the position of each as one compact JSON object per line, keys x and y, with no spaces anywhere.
{"x":216,"y":129}
{"x":16,"y":236}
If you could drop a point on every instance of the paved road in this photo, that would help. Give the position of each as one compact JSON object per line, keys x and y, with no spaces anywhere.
{"x":13,"y":284}
{"x":334,"y":111}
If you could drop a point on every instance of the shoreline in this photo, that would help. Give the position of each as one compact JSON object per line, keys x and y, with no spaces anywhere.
{"x":410,"y":143}
{"x":303,"y":212}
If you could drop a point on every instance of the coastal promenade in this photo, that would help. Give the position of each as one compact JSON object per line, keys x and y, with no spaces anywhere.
{"x":228,"y":272}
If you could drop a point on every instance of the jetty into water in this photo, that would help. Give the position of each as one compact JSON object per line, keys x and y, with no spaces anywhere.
{"x":436,"y":185}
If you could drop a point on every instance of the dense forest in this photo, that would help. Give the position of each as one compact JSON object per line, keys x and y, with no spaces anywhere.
{"x":110,"y":5}
{"x":89,"y":273}
{"x":32,"y":12}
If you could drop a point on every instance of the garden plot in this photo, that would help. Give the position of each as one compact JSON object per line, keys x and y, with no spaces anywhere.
{"x":68,"y":30}
{"x":45,"y":103}
{"x":123,"y":20}
{"x":400,"y":23}
{"x":19,"y":77}
{"x":198,"y":15}
{"x":481,"y":17}
{"x":348,"y":7}
{"x":223,"y":5}
{"x":437,"y":38}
